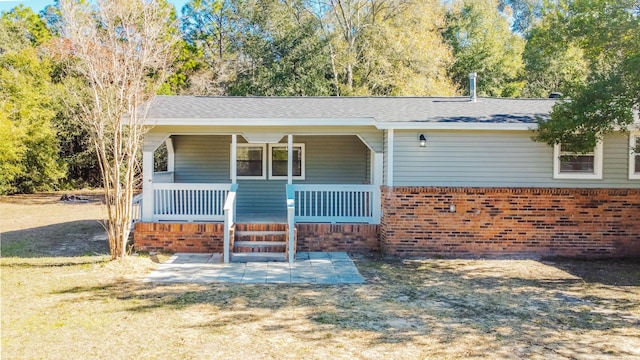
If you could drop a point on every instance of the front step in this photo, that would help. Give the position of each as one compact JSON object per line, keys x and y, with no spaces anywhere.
{"x":258,"y":257}
{"x":259,"y":246}
{"x":260,"y":242}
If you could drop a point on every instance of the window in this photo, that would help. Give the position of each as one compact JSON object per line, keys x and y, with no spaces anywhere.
{"x":278,"y":161}
{"x":634,"y":155}
{"x":569,"y":165}
{"x":251,"y":161}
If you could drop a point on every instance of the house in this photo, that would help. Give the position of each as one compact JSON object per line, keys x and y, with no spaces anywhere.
{"x":406,"y":176}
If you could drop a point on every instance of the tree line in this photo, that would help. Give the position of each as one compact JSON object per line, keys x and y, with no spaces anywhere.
{"x":588,"y":50}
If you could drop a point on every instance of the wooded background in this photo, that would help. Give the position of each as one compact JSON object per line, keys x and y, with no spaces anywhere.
{"x":589,"y":50}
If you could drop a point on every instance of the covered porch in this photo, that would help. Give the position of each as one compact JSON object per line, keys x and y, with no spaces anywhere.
{"x":285,"y":184}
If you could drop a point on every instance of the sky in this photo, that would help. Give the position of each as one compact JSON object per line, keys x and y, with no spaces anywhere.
{"x":39,"y":5}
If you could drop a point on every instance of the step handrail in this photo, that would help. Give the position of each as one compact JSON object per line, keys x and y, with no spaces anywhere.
{"x":229,"y":220}
{"x":291,"y":209}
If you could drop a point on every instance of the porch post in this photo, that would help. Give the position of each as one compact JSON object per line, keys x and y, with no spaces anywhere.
{"x":376,"y":177}
{"x":390,"y":157}
{"x":171,"y":156}
{"x":234,"y":158}
{"x":147,"y":186}
{"x":289,"y":159}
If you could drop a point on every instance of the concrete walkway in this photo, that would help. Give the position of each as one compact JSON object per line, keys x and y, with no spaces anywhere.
{"x":310,"y":268}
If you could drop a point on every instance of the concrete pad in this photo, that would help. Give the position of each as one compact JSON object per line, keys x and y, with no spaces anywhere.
{"x":309,"y":268}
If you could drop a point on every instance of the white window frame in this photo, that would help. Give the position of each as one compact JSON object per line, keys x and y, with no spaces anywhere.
{"x":264,"y":161}
{"x":302,"y":165}
{"x":632,"y":155}
{"x":597,"y":153}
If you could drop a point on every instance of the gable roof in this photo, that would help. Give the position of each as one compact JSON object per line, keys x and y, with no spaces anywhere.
{"x":382,"y":112}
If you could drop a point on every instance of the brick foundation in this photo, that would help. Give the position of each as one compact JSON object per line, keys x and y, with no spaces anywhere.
{"x":531,"y":222}
{"x":209,"y":237}
{"x":354,"y":238}
{"x":179,"y":237}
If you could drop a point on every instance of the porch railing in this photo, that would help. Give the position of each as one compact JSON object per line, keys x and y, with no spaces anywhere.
{"x":229,"y":221}
{"x":189,"y":202}
{"x":336,"y":203}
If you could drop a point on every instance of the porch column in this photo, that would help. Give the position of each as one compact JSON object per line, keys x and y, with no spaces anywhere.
{"x":289,"y":159}
{"x":171,"y":156}
{"x":377,"y":174}
{"x":234,"y":158}
{"x":147,"y":186}
{"x":389,"y":157}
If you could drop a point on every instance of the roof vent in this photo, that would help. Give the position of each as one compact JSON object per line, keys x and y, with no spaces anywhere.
{"x":472,"y":87}
{"x":555,"y":95}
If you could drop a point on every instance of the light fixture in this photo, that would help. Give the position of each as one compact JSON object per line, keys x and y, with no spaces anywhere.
{"x":423,"y":140}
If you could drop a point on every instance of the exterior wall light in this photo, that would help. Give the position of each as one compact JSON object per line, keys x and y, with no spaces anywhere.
{"x":423,"y":140}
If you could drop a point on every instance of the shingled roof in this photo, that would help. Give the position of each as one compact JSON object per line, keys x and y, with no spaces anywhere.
{"x":165,"y":109}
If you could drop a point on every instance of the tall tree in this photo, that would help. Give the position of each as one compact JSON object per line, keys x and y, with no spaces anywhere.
{"x":210,"y":29}
{"x":281,"y":51}
{"x":386,"y":47}
{"x":607,"y":32}
{"x":554,"y":62}
{"x":405,"y":55}
{"x":123,"y":51}
{"x":28,"y":103}
{"x":483,"y":42}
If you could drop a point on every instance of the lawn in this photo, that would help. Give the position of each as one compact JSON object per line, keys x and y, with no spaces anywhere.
{"x":62,"y":298}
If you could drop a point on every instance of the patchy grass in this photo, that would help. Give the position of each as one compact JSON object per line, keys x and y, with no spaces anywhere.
{"x":53,"y":307}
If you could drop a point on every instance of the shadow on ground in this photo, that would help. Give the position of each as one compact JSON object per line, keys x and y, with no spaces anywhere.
{"x":445,"y":303}
{"x":74,"y":238}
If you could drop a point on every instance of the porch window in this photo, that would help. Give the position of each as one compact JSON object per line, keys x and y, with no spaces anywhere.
{"x":250,"y":161}
{"x":634,"y":155}
{"x":570,"y":165}
{"x":278,"y":161}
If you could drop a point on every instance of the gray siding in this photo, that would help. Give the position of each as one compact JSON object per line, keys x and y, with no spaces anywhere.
{"x":496,"y":159}
{"x":330,"y":159}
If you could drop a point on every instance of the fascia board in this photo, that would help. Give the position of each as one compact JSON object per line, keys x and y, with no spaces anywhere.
{"x":454,"y":126}
{"x":262,"y":122}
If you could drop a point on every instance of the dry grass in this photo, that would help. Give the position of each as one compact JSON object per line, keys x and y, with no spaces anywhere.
{"x":87,"y":307}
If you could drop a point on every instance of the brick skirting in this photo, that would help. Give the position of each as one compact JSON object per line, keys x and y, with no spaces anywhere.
{"x":441,"y":221}
{"x":354,"y":238}
{"x":209,"y":237}
{"x":179,"y":237}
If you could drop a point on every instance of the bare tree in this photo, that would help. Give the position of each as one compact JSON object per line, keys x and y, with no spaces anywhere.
{"x":122,"y":50}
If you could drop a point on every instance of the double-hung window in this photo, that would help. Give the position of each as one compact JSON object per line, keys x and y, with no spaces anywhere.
{"x":251,"y":161}
{"x":255,"y":161}
{"x":279,"y":161}
{"x":570,"y":165}
{"x":634,"y":155}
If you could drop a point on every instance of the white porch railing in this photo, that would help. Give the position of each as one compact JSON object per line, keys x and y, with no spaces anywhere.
{"x":136,"y":209}
{"x":336,"y":203}
{"x":229,"y":221}
{"x":189,"y":202}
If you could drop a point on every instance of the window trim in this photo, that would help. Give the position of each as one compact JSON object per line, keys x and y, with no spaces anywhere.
{"x":632,"y":155}
{"x":598,"y":153}
{"x":264,"y":162}
{"x":302,"y":161}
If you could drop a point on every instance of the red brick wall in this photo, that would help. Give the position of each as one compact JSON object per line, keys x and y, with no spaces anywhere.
{"x":209,"y":238}
{"x":418,"y":221}
{"x":355,"y":238}
{"x":181,"y":237}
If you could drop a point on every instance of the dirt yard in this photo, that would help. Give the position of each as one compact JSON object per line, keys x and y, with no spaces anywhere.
{"x":62,"y":298}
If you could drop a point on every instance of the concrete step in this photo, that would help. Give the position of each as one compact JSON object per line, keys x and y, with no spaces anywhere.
{"x":258,"y":257}
{"x":259,"y":244}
